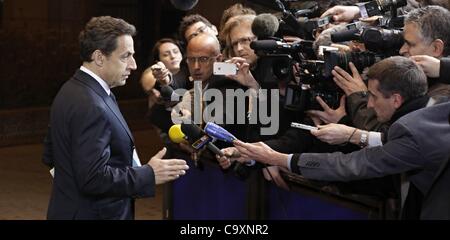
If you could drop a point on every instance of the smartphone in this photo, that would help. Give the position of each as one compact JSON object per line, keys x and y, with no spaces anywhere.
{"x":303,"y":126}
{"x":223,"y":68}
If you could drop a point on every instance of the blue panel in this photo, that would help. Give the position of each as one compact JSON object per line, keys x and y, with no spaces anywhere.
{"x":306,"y":207}
{"x":209,"y":194}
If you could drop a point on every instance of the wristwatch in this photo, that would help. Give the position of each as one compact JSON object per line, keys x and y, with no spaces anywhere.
{"x":363,"y":139}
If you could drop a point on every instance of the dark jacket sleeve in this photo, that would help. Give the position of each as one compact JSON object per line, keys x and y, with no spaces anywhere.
{"x":400,"y":154}
{"x":95,"y":173}
{"x":444,"y":71}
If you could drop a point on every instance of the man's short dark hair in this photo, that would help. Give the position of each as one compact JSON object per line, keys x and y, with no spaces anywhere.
{"x":101,"y":33}
{"x":433,"y":23}
{"x":189,"y":20}
{"x":399,"y":75}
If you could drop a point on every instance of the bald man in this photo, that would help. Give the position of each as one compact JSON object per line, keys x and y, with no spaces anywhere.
{"x":202,"y":51}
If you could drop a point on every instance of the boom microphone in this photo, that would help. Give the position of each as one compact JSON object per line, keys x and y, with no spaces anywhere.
{"x":265,"y":26}
{"x":184,"y":5}
{"x":199,"y":138}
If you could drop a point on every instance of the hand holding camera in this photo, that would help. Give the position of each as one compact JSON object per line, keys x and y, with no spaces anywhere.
{"x":161,"y":73}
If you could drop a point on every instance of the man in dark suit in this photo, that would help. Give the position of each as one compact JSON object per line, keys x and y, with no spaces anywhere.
{"x":417,"y":144}
{"x":97,"y":172}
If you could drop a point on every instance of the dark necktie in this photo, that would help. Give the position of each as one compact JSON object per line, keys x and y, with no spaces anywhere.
{"x":113,"y":98}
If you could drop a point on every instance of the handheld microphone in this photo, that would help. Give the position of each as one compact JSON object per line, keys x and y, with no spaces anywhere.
{"x":169,"y":95}
{"x":265,"y":26}
{"x":219,"y":132}
{"x":184,"y":5}
{"x":222,"y":134}
{"x":176,"y":135}
{"x":199,"y":138}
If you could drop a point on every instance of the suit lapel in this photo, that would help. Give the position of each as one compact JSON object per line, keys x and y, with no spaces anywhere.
{"x":115,"y":109}
{"x":87,"y":80}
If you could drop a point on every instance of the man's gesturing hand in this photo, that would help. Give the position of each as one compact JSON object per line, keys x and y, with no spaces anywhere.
{"x":167,"y":169}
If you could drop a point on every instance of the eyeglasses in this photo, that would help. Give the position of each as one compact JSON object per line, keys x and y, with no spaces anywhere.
{"x":242,"y":41}
{"x":200,"y":60}
{"x":201,"y":29}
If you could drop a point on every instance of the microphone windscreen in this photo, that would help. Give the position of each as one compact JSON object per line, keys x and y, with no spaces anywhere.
{"x":268,"y":45}
{"x":265,"y":26}
{"x":175,"y":134}
{"x":166,"y":92}
{"x":184,"y":5}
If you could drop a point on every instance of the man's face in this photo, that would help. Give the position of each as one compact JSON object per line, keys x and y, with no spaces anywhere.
{"x":119,"y":64}
{"x":240,"y":38}
{"x":415,"y":44}
{"x":383,"y":107}
{"x":170,"y":55}
{"x":196,"y":29}
{"x":200,"y":60}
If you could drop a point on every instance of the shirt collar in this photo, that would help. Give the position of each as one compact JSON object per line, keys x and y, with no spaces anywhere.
{"x":98,"y":79}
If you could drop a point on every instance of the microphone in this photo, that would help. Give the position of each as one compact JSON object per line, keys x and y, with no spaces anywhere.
{"x":176,"y":135}
{"x":184,"y":5}
{"x":265,"y":26}
{"x":219,"y":132}
{"x":169,"y":95}
{"x":199,"y":138}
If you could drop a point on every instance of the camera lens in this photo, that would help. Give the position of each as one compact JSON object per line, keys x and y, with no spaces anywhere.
{"x":382,"y":40}
{"x":359,"y":59}
{"x":385,"y":5}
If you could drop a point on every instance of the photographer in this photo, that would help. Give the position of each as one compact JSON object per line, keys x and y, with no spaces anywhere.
{"x":427,"y":31}
{"x":407,"y":150}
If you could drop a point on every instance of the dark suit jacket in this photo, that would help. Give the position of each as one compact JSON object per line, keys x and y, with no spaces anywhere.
{"x":91,"y":147}
{"x":436,"y":204}
{"x":418,"y":145}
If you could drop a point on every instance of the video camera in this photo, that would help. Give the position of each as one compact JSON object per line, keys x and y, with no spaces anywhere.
{"x":312,"y":76}
{"x":380,"y":7}
{"x":383,"y":41}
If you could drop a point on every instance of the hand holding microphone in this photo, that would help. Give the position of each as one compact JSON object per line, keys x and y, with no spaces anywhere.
{"x":161,"y":73}
{"x":229,"y":154}
{"x":177,"y":136}
{"x":198,"y":138}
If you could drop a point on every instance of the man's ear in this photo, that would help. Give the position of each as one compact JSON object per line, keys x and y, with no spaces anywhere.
{"x":98,"y":58}
{"x":398,"y":100}
{"x":438,"y":48}
{"x":214,"y":29}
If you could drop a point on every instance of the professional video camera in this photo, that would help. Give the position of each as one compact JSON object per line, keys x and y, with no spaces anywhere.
{"x":301,"y":22}
{"x":312,"y":75}
{"x":386,"y":42}
{"x":380,"y":7}
{"x":317,"y":80}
